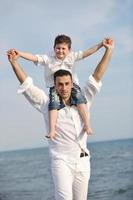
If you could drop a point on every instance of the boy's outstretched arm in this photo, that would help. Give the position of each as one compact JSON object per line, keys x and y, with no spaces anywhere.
{"x":25,"y":55}
{"x":102,"y":66}
{"x":92,"y":50}
{"x":20,"y":74}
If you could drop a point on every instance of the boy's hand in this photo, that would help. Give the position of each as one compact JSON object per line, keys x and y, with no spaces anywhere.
{"x":108,"y":43}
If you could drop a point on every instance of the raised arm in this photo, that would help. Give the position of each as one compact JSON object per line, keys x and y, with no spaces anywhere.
{"x":102,"y":66}
{"x":94,"y":84}
{"x":20,"y":74}
{"x":92,"y":50}
{"x":33,"y":94}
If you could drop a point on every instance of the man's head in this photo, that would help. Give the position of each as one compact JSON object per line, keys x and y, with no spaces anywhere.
{"x":62,"y":46}
{"x":63,"y":84}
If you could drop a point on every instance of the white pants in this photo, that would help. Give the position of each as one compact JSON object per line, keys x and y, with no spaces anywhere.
{"x":71,"y":180}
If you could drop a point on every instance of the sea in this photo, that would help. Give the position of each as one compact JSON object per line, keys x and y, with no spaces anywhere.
{"x":25,"y":174}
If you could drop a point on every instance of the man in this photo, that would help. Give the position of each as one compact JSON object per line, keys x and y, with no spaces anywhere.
{"x":70,"y":158}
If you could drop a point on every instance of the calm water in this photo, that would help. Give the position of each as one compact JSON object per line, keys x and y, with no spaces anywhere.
{"x":25,"y":174}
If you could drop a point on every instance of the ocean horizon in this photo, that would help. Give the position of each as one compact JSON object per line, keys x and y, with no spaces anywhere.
{"x":25,"y":174}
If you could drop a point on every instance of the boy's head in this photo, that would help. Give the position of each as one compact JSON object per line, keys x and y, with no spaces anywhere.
{"x":63,"y":39}
{"x":62,"y":46}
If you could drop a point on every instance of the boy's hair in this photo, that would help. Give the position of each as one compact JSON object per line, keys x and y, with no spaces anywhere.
{"x":62,"y":72}
{"x":63,"y":39}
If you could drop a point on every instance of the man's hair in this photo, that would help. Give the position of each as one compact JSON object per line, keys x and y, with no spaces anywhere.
{"x":63,"y":39}
{"x":62,"y":72}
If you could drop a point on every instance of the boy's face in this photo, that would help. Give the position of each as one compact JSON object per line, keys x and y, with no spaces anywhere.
{"x":61,"y":50}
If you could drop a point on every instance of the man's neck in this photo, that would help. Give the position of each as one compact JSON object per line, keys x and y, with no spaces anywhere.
{"x":67,"y":102}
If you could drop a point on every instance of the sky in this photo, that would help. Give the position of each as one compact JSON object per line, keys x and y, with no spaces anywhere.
{"x":31,"y":26}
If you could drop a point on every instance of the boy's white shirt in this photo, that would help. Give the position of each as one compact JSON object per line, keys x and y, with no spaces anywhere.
{"x":52,"y":64}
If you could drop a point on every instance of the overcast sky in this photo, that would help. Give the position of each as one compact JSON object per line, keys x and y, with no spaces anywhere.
{"x":31,"y":25}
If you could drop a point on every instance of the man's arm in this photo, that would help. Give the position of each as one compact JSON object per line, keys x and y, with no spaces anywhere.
{"x":20,"y":74}
{"x":94,"y":84}
{"x":102,"y":66}
{"x":92,"y":50}
{"x":33,"y":94}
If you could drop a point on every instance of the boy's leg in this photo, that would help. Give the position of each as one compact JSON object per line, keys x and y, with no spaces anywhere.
{"x":52,"y":123}
{"x":80,"y":101}
{"x":54,"y":103}
{"x":83,"y":111}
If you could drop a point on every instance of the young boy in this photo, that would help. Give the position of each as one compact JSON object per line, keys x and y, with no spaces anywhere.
{"x":63,"y":58}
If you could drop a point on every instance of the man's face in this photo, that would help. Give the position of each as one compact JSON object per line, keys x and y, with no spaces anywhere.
{"x":63,"y":85}
{"x":61,"y":50}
